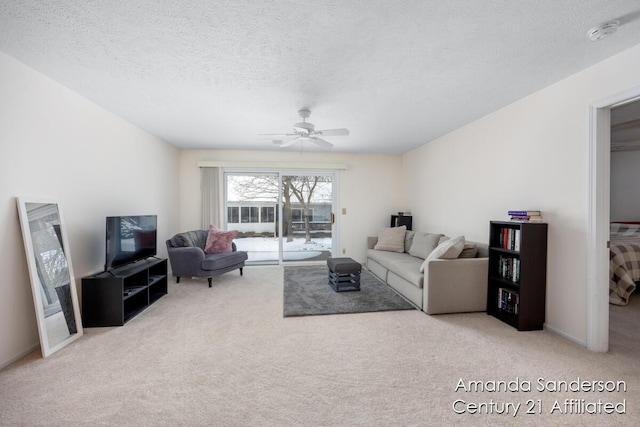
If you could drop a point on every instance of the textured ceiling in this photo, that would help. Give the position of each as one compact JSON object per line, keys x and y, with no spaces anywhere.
{"x":397,"y":73}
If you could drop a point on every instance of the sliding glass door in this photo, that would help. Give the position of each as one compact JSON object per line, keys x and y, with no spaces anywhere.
{"x":255,"y":202}
{"x":307,"y":226}
{"x":252,"y":205}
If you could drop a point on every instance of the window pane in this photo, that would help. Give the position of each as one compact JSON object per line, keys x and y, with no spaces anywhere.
{"x":232,"y":215}
{"x":267,"y":214}
{"x":245,"y":214}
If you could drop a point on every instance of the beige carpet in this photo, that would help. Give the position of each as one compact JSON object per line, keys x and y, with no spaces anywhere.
{"x":226,"y":356}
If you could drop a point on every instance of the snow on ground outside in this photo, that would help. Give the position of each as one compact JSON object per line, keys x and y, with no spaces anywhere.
{"x":266,"y":248}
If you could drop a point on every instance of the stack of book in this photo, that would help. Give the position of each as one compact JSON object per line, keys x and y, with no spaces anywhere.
{"x":526,"y":216}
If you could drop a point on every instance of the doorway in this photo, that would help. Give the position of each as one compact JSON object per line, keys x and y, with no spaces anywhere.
{"x":282,"y":216}
{"x":599,"y":217}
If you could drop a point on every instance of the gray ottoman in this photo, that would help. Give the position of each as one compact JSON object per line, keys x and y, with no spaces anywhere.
{"x":344,"y":274}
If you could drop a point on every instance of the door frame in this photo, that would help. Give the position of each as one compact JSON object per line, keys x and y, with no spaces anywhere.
{"x":599,"y":215}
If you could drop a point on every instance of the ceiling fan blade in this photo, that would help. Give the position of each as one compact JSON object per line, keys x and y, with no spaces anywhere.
{"x":289,"y":143}
{"x":333,"y":132}
{"x":271,"y":135}
{"x":320,"y":142}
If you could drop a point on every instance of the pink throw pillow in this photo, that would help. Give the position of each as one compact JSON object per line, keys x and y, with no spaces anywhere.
{"x":211,"y":237}
{"x":219,"y":241}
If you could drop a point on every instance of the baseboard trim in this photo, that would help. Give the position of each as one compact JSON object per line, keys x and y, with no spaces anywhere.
{"x":565,"y":336}
{"x":13,"y":360}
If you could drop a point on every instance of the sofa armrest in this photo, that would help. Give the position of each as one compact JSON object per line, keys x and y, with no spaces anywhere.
{"x":185,"y":260}
{"x":371,"y":241}
{"x":455,"y":285}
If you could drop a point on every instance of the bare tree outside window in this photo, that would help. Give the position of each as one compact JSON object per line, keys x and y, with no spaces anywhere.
{"x":308,"y":190}
{"x":303,"y":189}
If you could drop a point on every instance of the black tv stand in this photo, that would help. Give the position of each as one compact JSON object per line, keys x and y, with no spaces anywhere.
{"x":114,"y":297}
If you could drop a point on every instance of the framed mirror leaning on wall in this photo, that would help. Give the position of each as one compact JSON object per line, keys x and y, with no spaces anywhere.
{"x":52,"y":280}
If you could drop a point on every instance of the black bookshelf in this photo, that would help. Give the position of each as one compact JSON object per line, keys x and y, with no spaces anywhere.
{"x":518,"y":273}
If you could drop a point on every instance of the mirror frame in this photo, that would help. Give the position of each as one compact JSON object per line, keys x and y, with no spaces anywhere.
{"x":45,"y":346}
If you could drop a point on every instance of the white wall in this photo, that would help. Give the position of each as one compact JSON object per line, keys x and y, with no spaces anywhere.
{"x":625,"y":184}
{"x":56,"y":145}
{"x":532,"y":154}
{"x":370,"y":189}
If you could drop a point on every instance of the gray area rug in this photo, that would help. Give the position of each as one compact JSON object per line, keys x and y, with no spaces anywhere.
{"x":307,"y":292}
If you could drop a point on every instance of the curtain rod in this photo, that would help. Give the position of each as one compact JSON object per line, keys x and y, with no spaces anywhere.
{"x":270,"y":165}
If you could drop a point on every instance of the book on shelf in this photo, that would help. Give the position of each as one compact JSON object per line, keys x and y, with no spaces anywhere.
{"x":508,"y":301}
{"x":516,"y":241}
{"x":510,"y":238}
{"x":509,"y":268}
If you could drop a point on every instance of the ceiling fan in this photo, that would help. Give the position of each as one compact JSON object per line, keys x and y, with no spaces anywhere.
{"x":305,"y":131}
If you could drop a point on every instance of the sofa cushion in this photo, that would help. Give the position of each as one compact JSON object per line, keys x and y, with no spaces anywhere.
{"x":470,"y":251}
{"x":423,"y":244}
{"x":404,"y":265}
{"x":223,"y":260}
{"x":391,"y":239}
{"x":408,"y":240}
{"x":448,"y":249}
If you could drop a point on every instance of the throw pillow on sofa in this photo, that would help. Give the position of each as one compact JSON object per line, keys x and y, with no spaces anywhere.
{"x":449,"y":249}
{"x":423,"y":244}
{"x":219,"y":241}
{"x":391,"y":239}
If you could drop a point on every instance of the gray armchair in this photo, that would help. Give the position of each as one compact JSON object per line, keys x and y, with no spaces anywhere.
{"x":187,"y":257}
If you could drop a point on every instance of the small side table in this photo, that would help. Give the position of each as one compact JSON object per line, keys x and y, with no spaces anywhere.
{"x":344,"y":274}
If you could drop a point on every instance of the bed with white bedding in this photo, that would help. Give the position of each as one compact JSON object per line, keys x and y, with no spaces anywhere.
{"x":624,"y":261}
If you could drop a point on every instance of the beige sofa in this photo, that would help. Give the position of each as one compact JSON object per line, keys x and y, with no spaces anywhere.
{"x":446,"y":286}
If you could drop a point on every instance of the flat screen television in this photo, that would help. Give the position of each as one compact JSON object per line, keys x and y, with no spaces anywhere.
{"x":129,"y":239}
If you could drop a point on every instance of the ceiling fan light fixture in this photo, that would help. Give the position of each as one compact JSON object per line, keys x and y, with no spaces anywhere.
{"x":304,"y":127}
{"x":304,"y":113}
{"x":603,"y":30}
{"x":306,"y":132}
